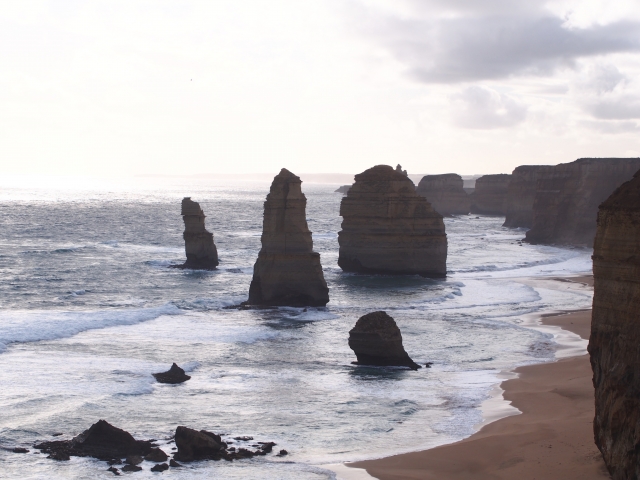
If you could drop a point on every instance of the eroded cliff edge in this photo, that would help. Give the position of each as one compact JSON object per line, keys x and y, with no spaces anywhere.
{"x":445,"y":193}
{"x":388,"y":228}
{"x":614,"y":344}
{"x":521,"y":194}
{"x":288,"y":272}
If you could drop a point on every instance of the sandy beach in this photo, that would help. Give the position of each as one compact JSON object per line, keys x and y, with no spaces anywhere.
{"x":551,"y":439}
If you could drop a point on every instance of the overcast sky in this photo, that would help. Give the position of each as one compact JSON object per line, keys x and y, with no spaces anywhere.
{"x":234,"y":86}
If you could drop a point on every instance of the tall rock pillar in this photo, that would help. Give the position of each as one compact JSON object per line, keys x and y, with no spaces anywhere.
{"x":198,"y":242}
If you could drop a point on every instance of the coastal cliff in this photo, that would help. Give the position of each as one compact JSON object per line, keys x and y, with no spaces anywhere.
{"x":288,"y":272}
{"x":568,"y":195}
{"x":490,"y":194}
{"x":615,"y":331}
{"x":198,"y":242}
{"x":388,"y":228}
{"x":445,"y":193}
{"x":521,"y":195}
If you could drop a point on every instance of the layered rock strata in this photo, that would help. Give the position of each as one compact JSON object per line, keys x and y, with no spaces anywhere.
{"x":376,"y":340}
{"x":521,"y":194}
{"x":198,"y":242}
{"x":615,"y":331}
{"x":388,"y":228}
{"x":567,"y":198}
{"x":445,"y":193}
{"x":288,"y":272}
{"x":490,"y":194}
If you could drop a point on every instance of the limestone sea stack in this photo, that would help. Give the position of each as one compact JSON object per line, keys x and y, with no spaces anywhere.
{"x":490,"y":194}
{"x":615,"y":331}
{"x":445,"y":193}
{"x":288,"y":272}
{"x":376,"y":340}
{"x":198,"y":242}
{"x":388,"y":228}
{"x":568,"y":196}
{"x":521,"y":194}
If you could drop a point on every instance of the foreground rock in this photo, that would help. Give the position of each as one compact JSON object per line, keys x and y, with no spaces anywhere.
{"x":615,"y":331}
{"x":174,"y":375}
{"x":445,"y":193}
{"x":521,"y":195}
{"x":376,"y":340}
{"x":198,"y":242}
{"x":288,"y":272}
{"x":388,"y":228}
{"x":102,"y":441}
{"x":568,"y":196}
{"x":202,"y":445}
{"x":490,"y":194}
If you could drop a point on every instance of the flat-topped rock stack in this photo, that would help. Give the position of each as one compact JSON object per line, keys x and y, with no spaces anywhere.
{"x":568,"y":196}
{"x":521,"y":194}
{"x":445,"y":193}
{"x":490,"y":194}
{"x":615,"y":331}
{"x":198,"y":242}
{"x":388,"y":228}
{"x":288,"y":272}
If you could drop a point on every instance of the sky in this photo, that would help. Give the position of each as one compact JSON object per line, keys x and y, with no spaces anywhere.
{"x":123,"y":88}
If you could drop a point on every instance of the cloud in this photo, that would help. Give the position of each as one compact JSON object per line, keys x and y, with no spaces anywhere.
{"x":608,"y":94}
{"x":612,"y":127}
{"x":482,"y":108}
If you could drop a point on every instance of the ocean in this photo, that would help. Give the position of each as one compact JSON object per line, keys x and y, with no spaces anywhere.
{"x":89,"y":310}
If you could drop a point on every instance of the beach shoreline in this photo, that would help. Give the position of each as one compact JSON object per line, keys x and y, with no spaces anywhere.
{"x":551,"y":438}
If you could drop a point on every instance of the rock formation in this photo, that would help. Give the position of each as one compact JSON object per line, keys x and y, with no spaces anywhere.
{"x":174,"y":375}
{"x":202,"y":445}
{"x":288,"y":271}
{"x":490,"y":194}
{"x":445,"y":193}
{"x":400,"y":170}
{"x":343,"y":189}
{"x":568,"y":195}
{"x":521,"y":194}
{"x":615,"y":331}
{"x":198,"y":242}
{"x":376,"y":340}
{"x":388,"y":228}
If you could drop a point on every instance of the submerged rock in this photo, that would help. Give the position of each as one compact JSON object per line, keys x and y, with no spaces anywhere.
{"x":160,"y":467}
{"x":490,"y":194}
{"x":521,"y":194}
{"x":388,"y":228}
{"x":198,"y":242}
{"x":174,"y":375}
{"x":376,"y":340}
{"x":288,"y":272}
{"x":445,"y":193}
{"x":615,"y":331}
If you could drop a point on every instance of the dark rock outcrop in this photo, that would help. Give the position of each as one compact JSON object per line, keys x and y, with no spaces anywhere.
{"x":568,"y":195}
{"x":615,"y":331}
{"x":288,"y":272}
{"x":445,"y":193}
{"x":198,"y":242}
{"x":400,"y":170}
{"x":343,"y":189}
{"x":174,"y":375}
{"x":490,"y":194}
{"x":521,"y":194}
{"x":102,"y":441}
{"x":197,"y":445}
{"x":376,"y":340}
{"x":388,"y":228}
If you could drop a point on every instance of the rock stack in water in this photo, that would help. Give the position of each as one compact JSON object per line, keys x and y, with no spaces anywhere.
{"x":376,"y":340}
{"x":490,"y":194}
{"x":614,"y":344}
{"x":198,"y":242}
{"x":568,"y":195}
{"x":288,"y":271}
{"x":445,"y":193}
{"x":521,"y":194}
{"x":388,"y":228}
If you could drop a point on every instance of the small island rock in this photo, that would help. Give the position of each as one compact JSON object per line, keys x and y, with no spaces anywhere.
{"x":174,"y":375}
{"x":200,"y":248}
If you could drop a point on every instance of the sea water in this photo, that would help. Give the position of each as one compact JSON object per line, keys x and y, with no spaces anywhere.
{"x":89,"y":310}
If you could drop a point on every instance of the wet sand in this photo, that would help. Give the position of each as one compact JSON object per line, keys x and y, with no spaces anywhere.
{"x":551,"y":439}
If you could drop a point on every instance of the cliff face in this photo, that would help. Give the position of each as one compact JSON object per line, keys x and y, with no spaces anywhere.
{"x":490,"y":195}
{"x":615,"y":331}
{"x":445,"y":193}
{"x":198,"y":242}
{"x":288,"y":271}
{"x":568,"y":195}
{"x":388,"y":228}
{"x":521,"y":194}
